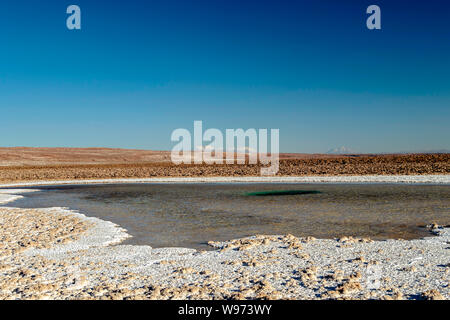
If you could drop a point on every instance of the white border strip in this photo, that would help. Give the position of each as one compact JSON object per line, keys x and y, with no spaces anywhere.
{"x":426,"y":179}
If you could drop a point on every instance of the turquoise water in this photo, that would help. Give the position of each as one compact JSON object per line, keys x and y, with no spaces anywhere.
{"x":189,"y":215}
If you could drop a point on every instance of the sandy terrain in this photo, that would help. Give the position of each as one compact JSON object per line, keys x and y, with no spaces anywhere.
{"x":19,"y":164}
{"x":61,"y":254}
{"x":23,"y":156}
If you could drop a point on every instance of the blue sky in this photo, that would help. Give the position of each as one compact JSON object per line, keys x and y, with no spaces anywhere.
{"x":140,"y":69}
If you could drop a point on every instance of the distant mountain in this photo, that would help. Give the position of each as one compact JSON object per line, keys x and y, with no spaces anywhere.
{"x":341,"y":150}
{"x":345,"y":150}
{"x":428,"y":151}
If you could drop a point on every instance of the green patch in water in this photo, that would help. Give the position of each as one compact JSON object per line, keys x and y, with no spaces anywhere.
{"x":281,"y":193}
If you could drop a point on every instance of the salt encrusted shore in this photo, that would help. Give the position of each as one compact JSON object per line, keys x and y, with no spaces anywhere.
{"x":410,"y":179}
{"x":57,"y":253}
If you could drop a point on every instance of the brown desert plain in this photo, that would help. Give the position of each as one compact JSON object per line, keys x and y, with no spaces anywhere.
{"x":33,"y":164}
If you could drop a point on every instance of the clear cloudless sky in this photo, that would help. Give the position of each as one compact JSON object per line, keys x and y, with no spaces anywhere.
{"x":139,"y":69}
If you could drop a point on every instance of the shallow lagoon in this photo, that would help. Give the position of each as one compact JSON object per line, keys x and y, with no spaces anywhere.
{"x":190,"y":215}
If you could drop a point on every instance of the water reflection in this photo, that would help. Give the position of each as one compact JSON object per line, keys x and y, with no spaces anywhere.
{"x":189,"y":215}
